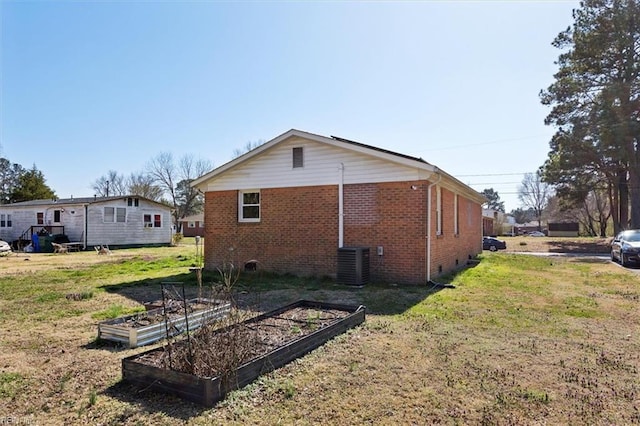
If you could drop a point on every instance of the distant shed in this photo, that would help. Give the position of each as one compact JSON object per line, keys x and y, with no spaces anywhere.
{"x":564,"y":229}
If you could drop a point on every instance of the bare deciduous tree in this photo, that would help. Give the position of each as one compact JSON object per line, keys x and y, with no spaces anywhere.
{"x":168,"y":176}
{"x":534,"y":194}
{"x":141,"y":184}
{"x":249,"y":146}
{"x":110,"y":184}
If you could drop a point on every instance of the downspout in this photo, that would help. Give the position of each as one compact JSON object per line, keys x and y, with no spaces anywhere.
{"x":429,"y":224}
{"x":341,"y":207}
{"x":86,"y":227}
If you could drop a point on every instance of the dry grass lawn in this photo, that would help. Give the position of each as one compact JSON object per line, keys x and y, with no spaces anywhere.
{"x":519,"y":340}
{"x":558,"y":244}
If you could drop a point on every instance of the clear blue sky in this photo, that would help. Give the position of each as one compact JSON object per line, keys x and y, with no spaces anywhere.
{"x":92,"y":86}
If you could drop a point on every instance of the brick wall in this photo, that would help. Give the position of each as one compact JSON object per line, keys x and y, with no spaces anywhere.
{"x":450,"y":251}
{"x":391,"y":216}
{"x":298,"y":231}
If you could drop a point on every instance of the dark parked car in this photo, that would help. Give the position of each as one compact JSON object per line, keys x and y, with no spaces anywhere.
{"x":625,"y":247}
{"x":493,"y":244}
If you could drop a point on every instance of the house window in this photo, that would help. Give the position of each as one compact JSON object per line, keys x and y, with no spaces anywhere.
{"x":456,"y":225}
{"x":191,"y":224}
{"x":56,"y":216}
{"x":121,"y":214}
{"x":201,"y":224}
{"x":152,"y":220}
{"x":438,"y":211}
{"x":40,"y":218}
{"x":298,"y":157}
{"x":115,"y":214}
{"x":5,"y":220}
{"x":133,"y":202}
{"x":249,"y":206}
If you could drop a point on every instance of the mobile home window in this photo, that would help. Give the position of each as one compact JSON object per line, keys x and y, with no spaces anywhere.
{"x":133,"y":202}
{"x":249,"y":206}
{"x":121,"y":214}
{"x":298,"y":157}
{"x":56,"y":216}
{"x":5,"y":220}
{"x":40,"y":218}
{"x":152,"y":220}
{"x":115,"y":214}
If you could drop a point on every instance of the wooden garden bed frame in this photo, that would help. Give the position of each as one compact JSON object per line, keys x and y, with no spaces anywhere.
{"x":208,"y":391}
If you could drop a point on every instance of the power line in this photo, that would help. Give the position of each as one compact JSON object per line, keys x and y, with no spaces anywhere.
{"x":482,"y":143}
{"x":494,"y":174}
{"x":495,"y":183}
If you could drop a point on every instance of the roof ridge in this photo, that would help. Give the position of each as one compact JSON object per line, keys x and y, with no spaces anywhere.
{"x":386,"y":151}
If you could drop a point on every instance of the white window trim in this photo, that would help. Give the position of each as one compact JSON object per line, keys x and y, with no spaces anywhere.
{"x":241,"y":205}
{"x":299,"y":149}
{"x":115,"y":214}
{"x":59,"y":215}
{"x":438,"y":210}
{"x":151,"y":224}
{"x":104,"y":214}
{"x":6,"y":218}
{"x":191,"y":224}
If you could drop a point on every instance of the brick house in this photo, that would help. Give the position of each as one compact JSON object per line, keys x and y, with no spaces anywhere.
{"x":193,"y":226}
{"x":293,"y":201}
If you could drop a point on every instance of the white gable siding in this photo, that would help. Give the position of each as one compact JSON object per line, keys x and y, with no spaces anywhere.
{"x":274,"y":168}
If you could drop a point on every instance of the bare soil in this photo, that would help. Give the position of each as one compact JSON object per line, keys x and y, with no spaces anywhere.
{"x":205,"y":354}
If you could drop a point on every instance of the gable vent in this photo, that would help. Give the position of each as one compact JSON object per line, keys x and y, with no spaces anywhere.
{"x":298,"y":157}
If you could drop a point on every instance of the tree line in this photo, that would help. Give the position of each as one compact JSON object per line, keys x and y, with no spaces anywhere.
{"x":594,"y":159}
{"x":593,"y":164}
{"x":19,"y":184}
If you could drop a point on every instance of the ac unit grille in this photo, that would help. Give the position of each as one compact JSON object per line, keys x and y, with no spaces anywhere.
{"x":353,"y":266}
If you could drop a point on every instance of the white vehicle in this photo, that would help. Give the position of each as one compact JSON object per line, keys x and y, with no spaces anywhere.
{"x":536,"y":234}
{"x":5,"y":248}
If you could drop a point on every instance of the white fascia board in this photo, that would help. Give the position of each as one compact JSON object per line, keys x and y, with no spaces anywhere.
{"x":451,"y":183}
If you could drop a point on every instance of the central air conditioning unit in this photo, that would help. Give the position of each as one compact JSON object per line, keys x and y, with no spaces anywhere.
{"x":353,"y":266}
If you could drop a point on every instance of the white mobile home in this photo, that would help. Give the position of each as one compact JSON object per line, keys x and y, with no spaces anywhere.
{"x":125,"y":221}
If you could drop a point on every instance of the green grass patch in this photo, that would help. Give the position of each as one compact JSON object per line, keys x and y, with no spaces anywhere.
{"x":10,"y":384}
{"x":115,"y":311}
{"x":518,"y":292}
{"x":49,"y":297}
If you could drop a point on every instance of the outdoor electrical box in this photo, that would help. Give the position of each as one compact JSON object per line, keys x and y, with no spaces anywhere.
{"x":353,"y":266}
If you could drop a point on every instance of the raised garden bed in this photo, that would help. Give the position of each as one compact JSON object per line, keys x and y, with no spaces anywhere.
{"x":150,"y":326}
{"x":279,"y":337}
